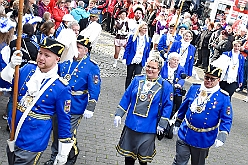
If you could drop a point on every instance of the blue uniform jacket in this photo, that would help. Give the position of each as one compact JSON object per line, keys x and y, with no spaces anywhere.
{"x":162,"y":42}
{"x":241,"y":65}
{"x":3,"y":83}
{"x":177,"y":76}
{"x":190,"y":58}
{"x":218,"y":110}
{"x":85,"y":84}
{"x":130,"y":50}
{"x":146,"y":121}
{"x":35,"y":132}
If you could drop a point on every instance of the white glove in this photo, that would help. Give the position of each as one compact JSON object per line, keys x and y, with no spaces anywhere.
{"x":16,"y":60}
{"x":64,"y":150}
{"x":165,"y":55}
{"x":88,"y":114}
{"x":117,"y":121}
{"x":177,"y":85}
{"x":160,"y":130}
{"x":218,"y":143}
{"x":124,"y":61}
{"x":175,"y":130}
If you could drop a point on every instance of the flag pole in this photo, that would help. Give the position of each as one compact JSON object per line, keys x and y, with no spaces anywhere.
{"x":16,"y":75}
{"x":175,"y":27}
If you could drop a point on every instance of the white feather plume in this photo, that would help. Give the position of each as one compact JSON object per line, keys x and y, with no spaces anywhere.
{"x":69,"y":39}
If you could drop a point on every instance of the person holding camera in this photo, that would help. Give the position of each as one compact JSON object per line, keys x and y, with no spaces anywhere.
{"x":204,"y":119}
{"x":175,"y":74}
{"x":148,"y":103}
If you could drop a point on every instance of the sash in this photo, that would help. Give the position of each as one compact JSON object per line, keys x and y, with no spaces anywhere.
{"x":25,"y":114}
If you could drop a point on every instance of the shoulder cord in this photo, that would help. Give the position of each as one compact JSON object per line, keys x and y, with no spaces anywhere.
{"x":160,"y":102}
{"x":27,"y":49}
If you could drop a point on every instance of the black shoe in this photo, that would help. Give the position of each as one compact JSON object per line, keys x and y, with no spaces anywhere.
{"x":49,"y":162}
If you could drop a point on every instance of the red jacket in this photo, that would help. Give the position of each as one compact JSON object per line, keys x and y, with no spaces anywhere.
{"x":111,"y":6}
{"x":52,"y":4}
{"x":58,"y":14}
{"x":103,"y":5}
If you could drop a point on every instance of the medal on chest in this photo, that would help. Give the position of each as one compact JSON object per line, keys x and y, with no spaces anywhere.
{"x":27,"y":101}
{"x":143,"y":96}
{"x":67,"y":77}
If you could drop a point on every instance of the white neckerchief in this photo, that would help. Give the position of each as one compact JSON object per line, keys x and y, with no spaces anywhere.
{"x":232,"y":71}
{"x":35,"y":82}
{"x":171,"y":73}
{"x":202,"y":100}
{"x":139,"y":50}
{"x":183,"y":53}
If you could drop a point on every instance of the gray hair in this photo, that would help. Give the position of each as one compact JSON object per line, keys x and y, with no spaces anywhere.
{"x":173,"y":55}
{"x":187,"y":31}
{"x":156,"y":58}
{"x":72,"y":23}
{"x":81,"y":3}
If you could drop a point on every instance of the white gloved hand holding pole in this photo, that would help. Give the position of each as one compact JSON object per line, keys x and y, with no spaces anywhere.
{"x":7,"y":73}
{"x":63,"y":152}
{"x":88,"y":114}
{"x":117,"y":121}
{"x":16,"y":60}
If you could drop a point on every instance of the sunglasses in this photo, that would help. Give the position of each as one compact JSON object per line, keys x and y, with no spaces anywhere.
{"x":210,"y":78}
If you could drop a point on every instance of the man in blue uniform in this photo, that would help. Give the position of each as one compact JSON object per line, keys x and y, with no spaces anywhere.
{"x":165,"y":40}
{"x":39,"y":98}
{"x":204,"y":119}
{"x":83,"y":75}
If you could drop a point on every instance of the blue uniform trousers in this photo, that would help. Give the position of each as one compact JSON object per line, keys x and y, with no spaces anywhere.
{"x":132,"y":70}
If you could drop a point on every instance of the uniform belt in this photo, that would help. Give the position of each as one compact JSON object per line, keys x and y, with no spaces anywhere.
{"x":201,"y":129}
{"x":33,"y":114}
{"x":79,"y":92}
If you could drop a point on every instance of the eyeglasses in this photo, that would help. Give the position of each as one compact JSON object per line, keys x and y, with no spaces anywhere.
{"x":62,"y":2}
{"x":151,"y":67}
{"x":210,"y":78}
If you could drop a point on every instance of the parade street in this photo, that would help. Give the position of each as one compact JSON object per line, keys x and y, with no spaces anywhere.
{"x":97,"y":136}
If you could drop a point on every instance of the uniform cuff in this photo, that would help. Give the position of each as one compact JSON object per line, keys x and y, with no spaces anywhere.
{"x":91,"y":105}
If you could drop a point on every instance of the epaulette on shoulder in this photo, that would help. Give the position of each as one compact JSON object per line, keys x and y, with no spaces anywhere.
{"x":225,"y":92}
{"x":32,"y":62}
{"x":64,"y":81}
{"x":93,"y":61}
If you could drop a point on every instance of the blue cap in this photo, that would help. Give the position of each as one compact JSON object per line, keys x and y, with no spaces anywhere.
{"x":183,"y":26}
{"x":95,"y":12}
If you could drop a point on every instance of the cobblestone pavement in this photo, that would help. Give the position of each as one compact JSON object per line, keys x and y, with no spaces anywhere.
{"x":97,"y":136}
